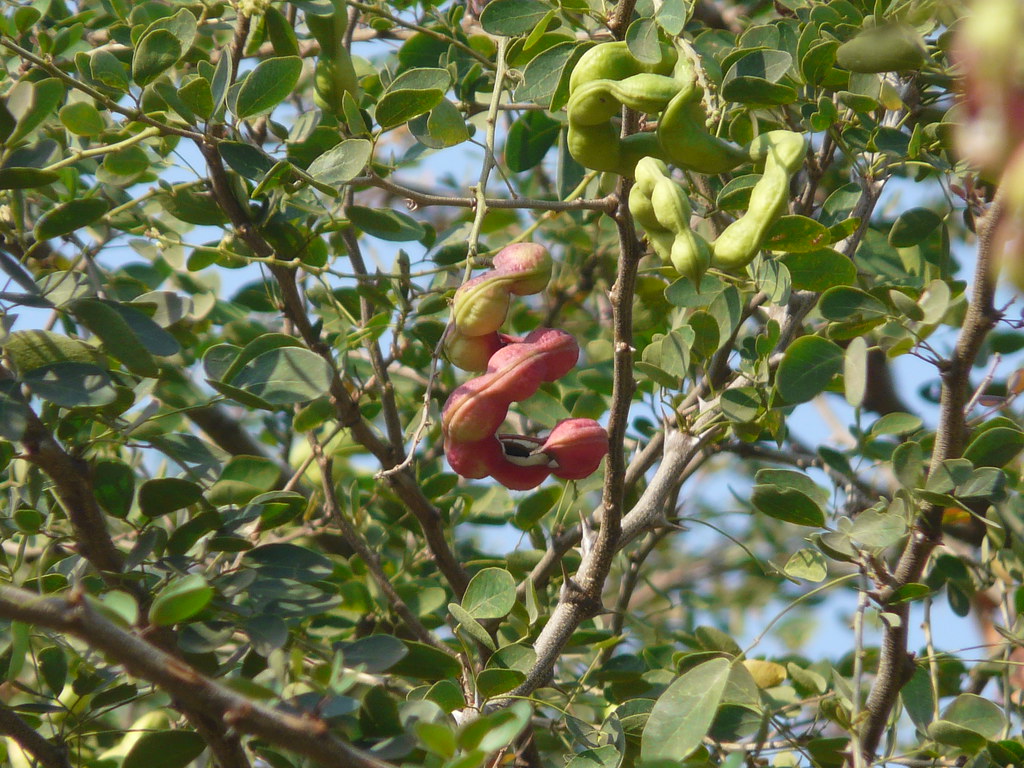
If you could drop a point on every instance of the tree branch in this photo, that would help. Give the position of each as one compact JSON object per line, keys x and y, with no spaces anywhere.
{"x":349,"y":415}
{"x":369,"y":557}
{"x":48,"y":754}
{"x":303,"y":734}
{"x":422,"y":198}
{"x":895,"y":664}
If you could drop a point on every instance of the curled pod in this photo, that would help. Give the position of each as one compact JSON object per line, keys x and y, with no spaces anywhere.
{"x":782,"y":153}
{"x":481,"y":304}
{"x":614,"y":61}
{"x":476,"y":409}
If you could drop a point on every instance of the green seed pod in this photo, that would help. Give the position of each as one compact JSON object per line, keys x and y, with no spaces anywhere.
{"x":614,"y":61}
{"x":329,"y":29}
{"x":783,"y":153}
{"x":332,"y":79}
{"x":888,"y":48}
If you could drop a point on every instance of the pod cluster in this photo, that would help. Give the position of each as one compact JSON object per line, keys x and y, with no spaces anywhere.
{"x":514,"y":368}
{"x":661,"y":206}
{"x":607,"y":78}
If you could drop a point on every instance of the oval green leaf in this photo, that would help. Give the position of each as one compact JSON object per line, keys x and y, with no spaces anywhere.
{"x":807,"y":368}
{"x":66,"y":218}
{"x":156,"y":52}
{"x":180,"y":600}
{"x":490,"y":594}
{"x":268,"y":85}
{"x":683,"y":714}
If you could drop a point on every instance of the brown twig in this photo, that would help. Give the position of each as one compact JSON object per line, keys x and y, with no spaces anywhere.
{"x":896,"y":664}
{"x":303,"y":734}
{"x":349,"y":415}
{"x":368,"y":556}
{"x":48,"y":754}
{"x":423,"y":199}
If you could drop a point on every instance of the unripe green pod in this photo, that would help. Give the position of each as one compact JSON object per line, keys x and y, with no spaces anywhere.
{"x":329,"y":29}
{"x":615,"y":61}
{"x":783,"y":152}
{"x":690,"y":255}
{"x":331,"y":80}
{"x":686,"y":142}
{"x":600,"y":148}
{"x":888,"y":48}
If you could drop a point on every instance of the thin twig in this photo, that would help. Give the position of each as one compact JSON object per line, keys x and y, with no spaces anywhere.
{"x":303,"y":734}
{"x":368,"y":556}
{"x":48,"y":754}
{"x":422,"y":198}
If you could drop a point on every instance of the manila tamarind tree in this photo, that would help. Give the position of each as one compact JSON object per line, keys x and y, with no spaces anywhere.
{"x":511,"y":383}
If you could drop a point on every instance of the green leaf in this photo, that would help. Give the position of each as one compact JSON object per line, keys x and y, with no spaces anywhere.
{"x":471,"y":626}
{"x":642,"y":40}
{"x":375,"y":654}
{"x":529,"y":139}
{"x":182,"y":25}
{"x":976,"y":713}
{"x":957,"y":736}
{"x":844,"y":302}
{"x":444,"y":126}
{"x":181,"y":599}
{"x":26,"y":178}
{"x":913,"y":226}
{"x":807,"y":368}
{"x":765,"y":64}
{"x":855,"y":371}
{"x":877,"y":530}
{"x":918,"y":698}
{"x":14,"y":414}
{"x":35,"y":347}
{"x":164,"y":749}
{"x":788,"y":478}
{"x":896,"y":424}
{"x":67,"y":217}
{"x":244,"y":478}
{"x":105,"y":67}
{"x":399,"y":107}
{"x":995,"y":447}
{"x":268,"y":85}
{"x":796,"y":234}
{"x":490,"y":595}
{"x":512,"y":18}
{"x":197,"y":95}
{"x":740,"y":404}
{"x":386,"y":224}
{"x":672,"y":16}
{"x":422,"y":79}
{"x":285,"y":376}
{"x":683,"y":714}
{"x":788,"y":505}
{"x":163,"y":495}
{"x":493,"y":682}
{"x":424,"y":662}
{"x":342,"y":163}
{"x":156,"y":52}
{"x":280,"y":32}
{"x":757,"y":90}
{"x":31,"y":103}
{"x":607,"y":756}
{"x":82,"y":119}
{"x":544,"y":73}
{"x":71,"y":384}
{"x":118,"y":339}
{"x":113,"y":484}
{"x":807,"y":564}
